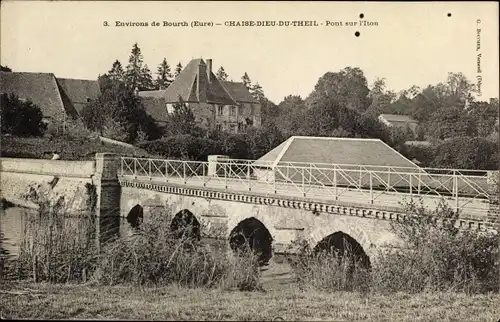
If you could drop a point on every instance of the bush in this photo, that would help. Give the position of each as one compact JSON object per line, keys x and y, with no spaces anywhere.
{"x":20,"y":118}
{"x":68,"y":148}
{"x":155,"y":255}
{"x":467,"y":153}
{"x":56,"y":248}
{"x":184,"y":146}
{"x":437,"y":256}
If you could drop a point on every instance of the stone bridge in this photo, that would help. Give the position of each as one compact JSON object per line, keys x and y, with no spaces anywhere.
{"x":273,"y":206}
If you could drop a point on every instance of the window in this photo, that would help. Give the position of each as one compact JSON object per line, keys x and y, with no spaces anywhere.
{"x":220,"y":109}
{"x":251,"y":109}
{"x":218,"y":126}
{"x":232,"y":112}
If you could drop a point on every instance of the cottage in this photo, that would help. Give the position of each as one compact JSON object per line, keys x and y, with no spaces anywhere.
{"x":227,"y":106}
{"x":57,"y":98}
{"x":401,"y":121}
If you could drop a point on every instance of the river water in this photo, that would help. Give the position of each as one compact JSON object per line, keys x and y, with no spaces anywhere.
{"x":16,"y":222}
{"x":12,"y":221}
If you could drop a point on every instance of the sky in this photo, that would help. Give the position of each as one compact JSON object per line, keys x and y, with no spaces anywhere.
{"x":412,"y":43}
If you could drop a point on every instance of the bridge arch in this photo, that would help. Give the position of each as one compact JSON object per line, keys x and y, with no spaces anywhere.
{"x":356,"y":238}
{"x":341,"y":243}
{"x":253,"y":233}
{"x":135,"y":216}
{"x":185,"y":225}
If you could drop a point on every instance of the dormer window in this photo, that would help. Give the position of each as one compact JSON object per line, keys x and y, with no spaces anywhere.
{"x":220,"y":109}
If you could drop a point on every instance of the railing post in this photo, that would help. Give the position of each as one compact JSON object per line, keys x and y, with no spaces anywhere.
{"x":274,"y":179}
{"x":310,"y":174}
{"x":411,"y":187}
{"x":419,"y":191}
{"x":303,"y":182}
{"x":335,"y":182}
{"x":149,"y":164}
{"x":248,"y":176}
{"x":371,"y":188}
{"x":121,"y":166}
{"x":184,"y":171}
{"x":166,"y":170}
{"x":225,"y":174}
{"x":135,"y":168}
{"x":389,"y":178}
{"x":204,"y":174}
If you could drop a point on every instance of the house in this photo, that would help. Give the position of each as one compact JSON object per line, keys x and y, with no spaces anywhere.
{"x":401,"y":121}
{"x":348,"y":153}
{"x":57,"y":98}
{"x":79,"y":91}
{"x":218,"y":104}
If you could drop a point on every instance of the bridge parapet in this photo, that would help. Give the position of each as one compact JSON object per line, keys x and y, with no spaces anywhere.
{"x":465,"y":191}
{"x":364,"y":187}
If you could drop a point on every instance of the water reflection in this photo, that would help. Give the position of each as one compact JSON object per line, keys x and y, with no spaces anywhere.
{"x":12,"y":221}
{"x":17,"y":222}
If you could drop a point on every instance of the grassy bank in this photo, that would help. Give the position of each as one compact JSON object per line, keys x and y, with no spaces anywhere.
{"x":44,"y":301}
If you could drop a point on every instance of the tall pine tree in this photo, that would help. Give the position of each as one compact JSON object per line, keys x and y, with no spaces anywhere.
{"x":134,"y":71}
{"x":116,"y":72}
{"x":221,"y":74}
{"x":164,"y":77}
{"x":146,"y":80}
{"x":178,"y":69}
{"x":257,"y":92}
{"x":246,"y":81}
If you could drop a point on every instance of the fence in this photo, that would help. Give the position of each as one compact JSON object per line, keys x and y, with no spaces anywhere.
{"x":369,"y":184}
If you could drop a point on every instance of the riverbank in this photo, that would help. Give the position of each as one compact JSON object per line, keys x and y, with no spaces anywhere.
{"x":44,"y":301}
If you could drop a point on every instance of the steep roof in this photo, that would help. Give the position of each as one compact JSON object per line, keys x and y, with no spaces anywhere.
{"x":186,"y":86}
{"x":309,"y":149}
{"x":79,"y":90}
{"x":239,"y":92}
{"x":40,"y":88}
{"x":398,"y":118}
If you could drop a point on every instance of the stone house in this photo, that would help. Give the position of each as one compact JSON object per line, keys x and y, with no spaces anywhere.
{"x":228,"y":106}
{"x":59,"y":99}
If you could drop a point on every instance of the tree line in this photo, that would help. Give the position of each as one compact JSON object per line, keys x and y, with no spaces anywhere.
{"x":460,"y":131}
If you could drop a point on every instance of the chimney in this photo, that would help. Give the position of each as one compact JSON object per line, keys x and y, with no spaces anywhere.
{"x":202,"y":82}
{"x":209,"y":70}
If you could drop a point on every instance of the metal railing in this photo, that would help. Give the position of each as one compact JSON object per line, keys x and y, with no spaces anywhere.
{"x":463,"y":190}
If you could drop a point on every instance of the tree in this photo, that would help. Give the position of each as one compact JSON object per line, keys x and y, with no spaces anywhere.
{"x":257,"y":92}
{"x":133,"y":75}
{"x":451,"y":122}
{"x":348,"y":88}
{"x":380,"y":98}
{"x":467,"y":153}
{"x":116,"y":72}
{"x":246,"y":81}
{"x":5,"y":69}
{"x":292,"y":112}
{"x":164,"y":78}
{"x":178,"y":69}
{"x":20,"y":118}
{"x":221,"y":74}
{"x":182,"y":120}
{"x":485,"y":115}
{"x":119,"y":103}
{"x":146,"y":80}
